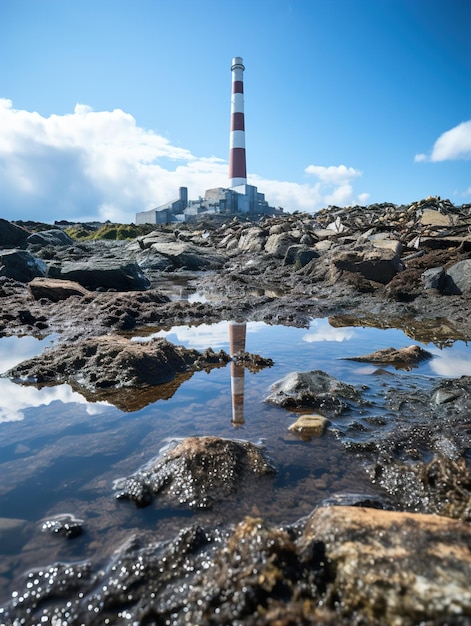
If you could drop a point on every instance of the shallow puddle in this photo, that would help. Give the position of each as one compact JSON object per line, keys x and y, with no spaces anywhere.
{"x":62,"y":454}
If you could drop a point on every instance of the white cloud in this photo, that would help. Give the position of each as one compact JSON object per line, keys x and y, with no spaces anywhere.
{"x":101,"y":165}
{"x":333,"y":174}
{"x":451,"y":145}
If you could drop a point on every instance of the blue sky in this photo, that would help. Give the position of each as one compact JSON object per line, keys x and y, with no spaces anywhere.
{"x":108,"y":106}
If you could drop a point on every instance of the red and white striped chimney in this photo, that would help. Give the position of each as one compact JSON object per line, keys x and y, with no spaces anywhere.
{"x":237,"y":166}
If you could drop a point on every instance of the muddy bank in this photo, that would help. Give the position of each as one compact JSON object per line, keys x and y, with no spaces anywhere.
{"x":380,"y":266}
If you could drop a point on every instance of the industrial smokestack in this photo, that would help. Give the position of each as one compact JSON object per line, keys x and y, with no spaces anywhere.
{"x":237,"y":166}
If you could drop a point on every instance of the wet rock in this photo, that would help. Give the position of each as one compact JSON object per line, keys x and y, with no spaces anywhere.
{"x":376,"y":572}
{"x":11,"y":235}
{"x":253,"y":362}
{"x":104,"y":273}
{"x":314,"y":389}
{"x":308,"y":426}
{"x":196,"y":472}
{"x":53,"y":237}
{"x":55,"y":289}
{"x":101,"y":367}
{"x":66,"y":525}
{"x":402,"y":358}
{"x":21,"y":265}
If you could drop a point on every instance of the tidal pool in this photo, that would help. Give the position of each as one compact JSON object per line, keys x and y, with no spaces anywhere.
{"x":61,"y":454}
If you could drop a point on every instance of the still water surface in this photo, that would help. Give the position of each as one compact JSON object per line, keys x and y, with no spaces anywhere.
{"x":61,"y":454}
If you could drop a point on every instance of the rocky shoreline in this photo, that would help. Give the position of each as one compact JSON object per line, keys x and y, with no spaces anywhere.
{"x":350,"y":562}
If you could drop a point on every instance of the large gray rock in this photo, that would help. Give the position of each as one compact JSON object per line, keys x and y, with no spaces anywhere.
{"x":21,"y":265}
{"x":458,"y":280}
{"x":11,"y":235}
{"x":102,"y":273}
{"x":314,"y":389}
{"x":53,"y":237}
{"x":434,"y":278}
{"x":378,"y":265}
{"x":299,"y":255}
{"x":278,"y":244}
{"x":252,"y":240}
{"x":186,"y":255}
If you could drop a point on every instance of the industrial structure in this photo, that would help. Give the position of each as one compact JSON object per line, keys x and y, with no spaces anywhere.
{"x":239,"y":198}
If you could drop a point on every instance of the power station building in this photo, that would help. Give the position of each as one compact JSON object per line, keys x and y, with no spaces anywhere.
{"x":239,"y":198}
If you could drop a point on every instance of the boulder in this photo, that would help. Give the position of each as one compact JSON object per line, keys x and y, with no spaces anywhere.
{"x":299,"y":255}
{"x":458,"y":279}
{"x":55,"y":289}
{"x":186,"y":255}
{"x":104,"y":273}
{"x":378,"y":265}
{"x":278,"y":244}
{"x":434,"y":278}
{"x":196,"y":472}
{"x":11,"y":235}
{"x":393,"y":568}
{"x":431,"y":217}
{"x":53,"y":237}
{"x":314,"y":389}
{"x":21,"y":265}
{"x":252,"y":240}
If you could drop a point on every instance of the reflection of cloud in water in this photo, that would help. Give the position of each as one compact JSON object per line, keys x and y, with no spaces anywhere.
{"x":451,"y":362}
{"x":14,"y":350}
{"x":16,"y":398}
{"x":321,"y":330}
{"x":202,"y":336}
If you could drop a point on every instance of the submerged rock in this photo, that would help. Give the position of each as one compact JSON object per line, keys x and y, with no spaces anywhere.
{"x":308,"y":426}
{"x":65,"y":525}
{"x":314,"y":389}
{"x":196,"y":472}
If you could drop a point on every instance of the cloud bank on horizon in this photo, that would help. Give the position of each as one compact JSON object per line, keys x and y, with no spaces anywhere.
{"x":101,"y":165}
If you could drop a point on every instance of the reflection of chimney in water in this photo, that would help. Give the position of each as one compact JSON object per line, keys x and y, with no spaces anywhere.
{"x":237,"y":331}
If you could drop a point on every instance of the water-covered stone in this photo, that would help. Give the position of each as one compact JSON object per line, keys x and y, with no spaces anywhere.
{"x":196,"y":472}
{"x":308,"y":426}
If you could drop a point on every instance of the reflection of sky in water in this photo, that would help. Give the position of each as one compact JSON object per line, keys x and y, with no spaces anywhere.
{"x":202,"y":336}
{"x":321,"y":346}
{"x":321,"y":330}
{"x":14,"y":399}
